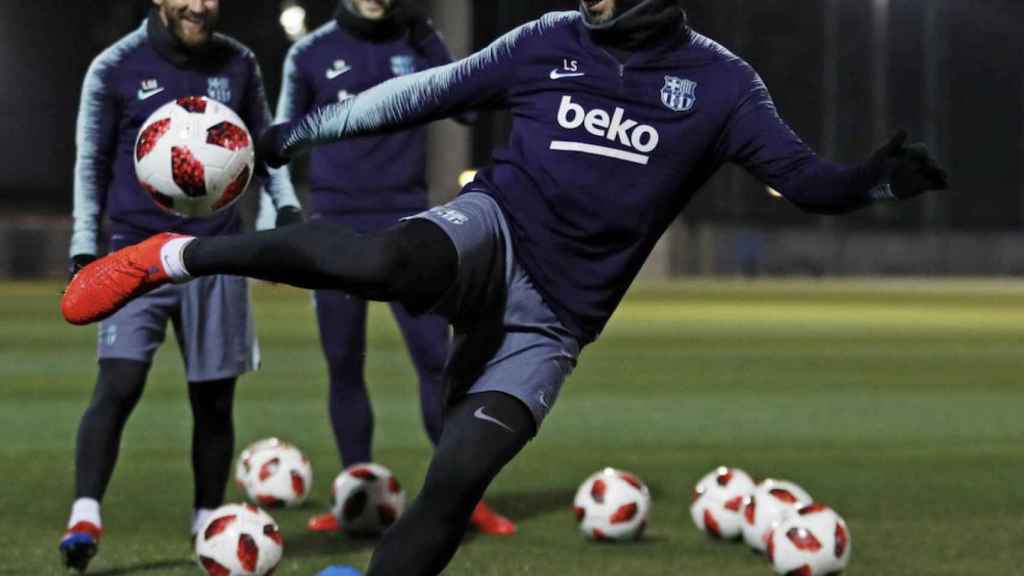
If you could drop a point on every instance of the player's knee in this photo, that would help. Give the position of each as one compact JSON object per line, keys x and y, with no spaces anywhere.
{"x":119,"y":384}
{"x":212,"y":403}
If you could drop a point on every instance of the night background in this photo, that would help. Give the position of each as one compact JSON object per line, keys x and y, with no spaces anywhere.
{"x":874,"y":359}
{"x":844,"y":73}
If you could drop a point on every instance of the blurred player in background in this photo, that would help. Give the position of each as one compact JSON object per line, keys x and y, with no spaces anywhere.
{"x":175,"y":53}
{"x":368,"y":184}
{"x":621,"y":113}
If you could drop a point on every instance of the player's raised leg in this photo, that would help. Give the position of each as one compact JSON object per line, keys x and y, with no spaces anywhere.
{"x":414,"y":262}
{"x":482,"y":433}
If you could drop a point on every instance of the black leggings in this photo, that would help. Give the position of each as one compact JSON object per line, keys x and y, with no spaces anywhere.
{"x":482,"y":433}
{"x":118,"y":389}
{"x":413,"y":262}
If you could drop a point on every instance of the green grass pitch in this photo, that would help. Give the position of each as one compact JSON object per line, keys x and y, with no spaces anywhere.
{"x":901,"y":404}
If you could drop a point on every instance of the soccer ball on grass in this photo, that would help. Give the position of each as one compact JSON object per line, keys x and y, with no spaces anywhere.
{"x":813,"y":542}
{"x":718,"y":502}
{"x":772,"y":502}
{"x":612,"y":505}
{"x":275,"y":473}
{"x":367,"y":499}
{"x":239,"y":540}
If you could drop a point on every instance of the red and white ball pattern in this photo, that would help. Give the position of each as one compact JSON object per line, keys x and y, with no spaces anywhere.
{"x":243,"y":466}
{"x":772,"y":502}
{"x":367,"y":499}
{"x":717,"y":507}
{"x":813,"y":542}
{"x":278,"y":475}
{"x":239,"y":540}
{"x":612,"y":505}
{"x":194,"y":156}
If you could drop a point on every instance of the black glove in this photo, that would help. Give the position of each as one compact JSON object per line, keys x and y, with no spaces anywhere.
{"x":270,"y":147}
{"x":288,"y":215}
{"x":78,"y":261}
{"x":909,"y":170}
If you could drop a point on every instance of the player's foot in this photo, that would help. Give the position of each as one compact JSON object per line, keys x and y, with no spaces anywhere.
{"x":107,"y":284}
{"x":490,"y":522}
{"x":326,"y":522}
{"x":79,"y":544}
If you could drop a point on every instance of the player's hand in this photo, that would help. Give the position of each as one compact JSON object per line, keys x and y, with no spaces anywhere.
{"x":910,"y":170}
{"x":270,"y":147}
{"x":78,"y":261}
{"x":287,"y":216}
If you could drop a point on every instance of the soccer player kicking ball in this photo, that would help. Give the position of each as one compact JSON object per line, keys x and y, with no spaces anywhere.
{"x":173,"y":54}
{"x":369,"y":184}
{"x":620,"y":113}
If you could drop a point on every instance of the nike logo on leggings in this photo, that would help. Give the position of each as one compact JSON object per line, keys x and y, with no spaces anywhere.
{"x":479,"y":414}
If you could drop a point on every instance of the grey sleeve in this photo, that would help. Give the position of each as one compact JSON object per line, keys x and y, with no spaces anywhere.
{"x":417,"y":99}
{"x":95,"y":142}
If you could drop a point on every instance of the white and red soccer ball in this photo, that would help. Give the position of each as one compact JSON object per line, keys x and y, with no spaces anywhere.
{"x":612,"y":505}
{"x":239,"y":540}
{"x":243,"y":466}
{"x":771,"y":502}
{"x":367,"y":499}
{"x":194,"y":156}
{"x":813,"y":542}
{"x":717,"y":506}
{"x":275,"y":473}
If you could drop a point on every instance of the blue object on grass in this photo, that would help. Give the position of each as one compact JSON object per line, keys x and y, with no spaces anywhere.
{"x":340,"y":571}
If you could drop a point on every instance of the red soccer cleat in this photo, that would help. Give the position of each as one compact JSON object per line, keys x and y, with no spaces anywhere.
{"x":326,"y":522}
{"x":490,"y":522}
{"x":107,"y":284}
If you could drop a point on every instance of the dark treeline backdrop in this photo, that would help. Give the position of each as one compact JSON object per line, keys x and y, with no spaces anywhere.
{"x":843,"y":72}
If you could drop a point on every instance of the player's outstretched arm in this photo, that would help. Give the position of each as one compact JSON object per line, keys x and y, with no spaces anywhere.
{"x":481,"y":79}
{"x":758,"y":139}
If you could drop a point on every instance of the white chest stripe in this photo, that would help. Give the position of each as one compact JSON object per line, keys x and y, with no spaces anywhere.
{"x":600,"y":151}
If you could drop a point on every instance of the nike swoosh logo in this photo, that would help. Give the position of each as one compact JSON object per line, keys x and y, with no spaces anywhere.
{"x":147,"y":94}
{"x":335,"y":72}
{"x":556,"y":75}
{"x":479,"y":414}
{"x":543,"y":400}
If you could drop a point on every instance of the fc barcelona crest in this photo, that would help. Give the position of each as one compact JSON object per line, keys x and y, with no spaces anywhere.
{"x":402,"y":65}
{"x":679,"y":94}
{"x":219,"y":88}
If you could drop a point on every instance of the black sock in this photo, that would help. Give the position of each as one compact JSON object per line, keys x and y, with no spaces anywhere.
{"x":118,"y":389}
{"x":482,"y":433}
{"x":413,"y":262}
{"x":213,"y":439}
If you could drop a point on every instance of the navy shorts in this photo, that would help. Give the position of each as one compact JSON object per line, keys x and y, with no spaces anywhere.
{"x":531,"y":353}
{"x":212,"y":322}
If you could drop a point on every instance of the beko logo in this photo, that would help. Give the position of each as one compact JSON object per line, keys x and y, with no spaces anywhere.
{"x":614,"y":126}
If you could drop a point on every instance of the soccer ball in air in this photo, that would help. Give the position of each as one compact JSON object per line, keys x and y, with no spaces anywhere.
{"x":367,"y":499}
{"x":612,"y":505}
{"x":718,"y":502}
{"x":277,"y":475}
{"x":813,"y":542}
{"x":194,"y":156}
{"x":772,"y":502}
{"x":239,"y":540}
